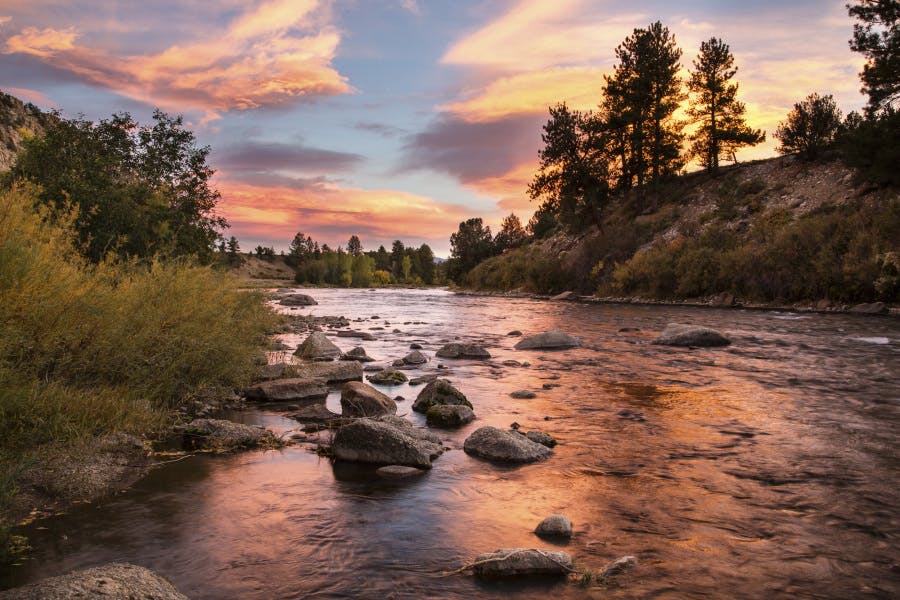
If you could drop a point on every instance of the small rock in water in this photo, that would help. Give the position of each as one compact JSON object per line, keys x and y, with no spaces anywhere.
{"x":317,"y":346}
{"x":415,"y":346}
{"x":618,"y":566}
{"x":628,"y":329}
{"x":415,"y":358}
{"x":361,"y":400}
{"x":555,"y":526}
{"x":515,"y":562}
{"x":514,"y":333}
{"x":223,"y":436}
{"x":449,"y":415}
{"x":676,"y":334}
{"x":357,"y":353}
{"x":297,"y":300}
{"x":398,"y":472}
{"x":544,"y":439}
{"x":423,"y":379}
{"x":439,"y":391}
{"x":456,"y":350}
{"x":523,"y":395}
{"x":389,"y":377}
{"x":549,"y":340}
{"x":494,"y":444}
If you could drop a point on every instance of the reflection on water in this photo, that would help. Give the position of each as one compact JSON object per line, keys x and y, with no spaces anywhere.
{"x":765,"y":469}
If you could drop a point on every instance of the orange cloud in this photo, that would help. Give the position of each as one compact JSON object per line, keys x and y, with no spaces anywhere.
{"x":260,"y":59}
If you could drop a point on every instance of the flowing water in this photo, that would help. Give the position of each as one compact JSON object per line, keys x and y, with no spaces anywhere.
{"x":767,"y":469}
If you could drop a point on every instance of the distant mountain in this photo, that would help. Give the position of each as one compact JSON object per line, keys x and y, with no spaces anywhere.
{"x":18,"y":120}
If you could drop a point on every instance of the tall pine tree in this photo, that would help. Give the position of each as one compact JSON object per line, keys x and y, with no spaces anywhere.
{"x":722,"y":129}
{"x":877,"y":38}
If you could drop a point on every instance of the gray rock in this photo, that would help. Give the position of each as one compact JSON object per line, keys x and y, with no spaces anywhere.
{"x":298,"y":389}
{"x":869,"y":309}
{"x":415,"y":346}
{"x":549,"y":340}
{"x":388,"y":377}
{"x":555,"y":526}
{"x":317,"y":413}
{"x":516,"y":562}
{"x":423,"y":379}
{"x":676,"y":334}
{"x":415,"y":358}
{"x":113,"y":580}
{"x":448,"y":415}
{"x":514,"y":333}
{"x":539,"y":437}
{"x":317,"y":346}
{"x":361,"y":400}
{"x":496,"y":445}
{"x":384,"y":442}
{"x":455,"y":350}
{"x":523,"y":395}
{"x":564,"y":296}
{"x":363,"y":335}
{"x":398,"y":472}
{"x":223,"y":436}
{"x":358,"y":353}
{"x":618,"y":566}
{"x":297,"y":300}
{"x":335,"y":372}
{"x":439,"y":391}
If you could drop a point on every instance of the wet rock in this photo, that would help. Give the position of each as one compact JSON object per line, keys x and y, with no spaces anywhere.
{"x":317,"y":346}
{"x":113,"y":580}
{"x":549,"y":340}
{"x":438,"y":392}
{"x":398,"y":472}
{"x":496,"y":445}
{"x":676,"y":334}
{"x":631,"y":415}
{"x":317,"y":413}
{"x":618,"y":566}
{"x":516,"y":562}
{"x":361,"y":400}
{"x":415,"y":346}
{"x":331,"y":372}
{"x":388,"y":377}
{"x":415,"y":358}
{"x":298,"y":389}
{"x":423,"y":379}
{"x":358,"y":353}
{"x":456,"y":350}
{"x":511,"y":363}
{"x":564,"y":296}
{"x":386,"y":442}
{"x":555,"y":526}
{"x":873,"y":308}
{"x":514,"y":333}
{"x":449,"y":415}
{"x":373,"y":368}
{"x":363,"y":335}
{"x":223,"y":436}
{"x":297,"y":300}
{"x":628,"y":329}
{"x":523,"y":395}
{"x":539,"y":437}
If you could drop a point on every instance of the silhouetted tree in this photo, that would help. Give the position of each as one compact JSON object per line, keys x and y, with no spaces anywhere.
{"x":810,"y":127}
{"x":354,"y":246}
{"x":398,"y":250}
{"x":511,"y":234}
{"x":470,"y":245}
{"x":302,"y":248}
{"x":877,"y":37}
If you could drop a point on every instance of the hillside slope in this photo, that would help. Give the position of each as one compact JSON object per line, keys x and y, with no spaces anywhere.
{"x":776,"y":230}
{"x":18,"y":120}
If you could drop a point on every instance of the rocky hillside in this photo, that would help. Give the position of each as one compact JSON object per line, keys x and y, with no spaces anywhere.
{"x":18,"y":120}
{"x":770,"y":231}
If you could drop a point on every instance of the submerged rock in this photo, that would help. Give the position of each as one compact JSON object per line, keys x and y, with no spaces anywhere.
{"x":317,"y":346}
{"x":549,"y":340}
{"x":448,"y":415}
{"x":439,"y":391}
{"x":523,"y":395}
{"x":398,"y":472}
{"x":555,"y":526}
{"x":361,"y":400}
{"x":298,"y":389}
{"x":387,"y":441}
{"x":497,"y":445}
{"x":223,"y":436}
{"x":388,"y":377}
{"x":515,"y":562}
{"x":297,"y":300}
{"x":113,"y":580}
{"x":356,"y":334}
{"x":455,"y":350}
{"x":676,"y":334}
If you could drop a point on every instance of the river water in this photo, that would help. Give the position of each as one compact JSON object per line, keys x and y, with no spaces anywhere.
{"x":767,"y":469}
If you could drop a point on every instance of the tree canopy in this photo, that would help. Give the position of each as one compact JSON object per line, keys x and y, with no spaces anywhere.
{"x":810,"y":128}
{"x":877,"y":37}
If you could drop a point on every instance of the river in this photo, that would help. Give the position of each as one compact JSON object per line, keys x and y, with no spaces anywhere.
{"x":766,"y":469}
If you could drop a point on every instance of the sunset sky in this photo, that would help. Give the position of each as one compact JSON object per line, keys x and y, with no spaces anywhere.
{"x":389,"y":119}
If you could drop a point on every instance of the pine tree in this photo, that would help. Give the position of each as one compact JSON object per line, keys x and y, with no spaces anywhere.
{"x":715,"y":108}
{"x":810,"y":128}
{"x":878,"y":39}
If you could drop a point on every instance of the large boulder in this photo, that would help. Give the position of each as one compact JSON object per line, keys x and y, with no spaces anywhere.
{"x":449,"y":415}
{"x":676,"y":334}
{"x":549,"y":340}
{"x":439,"y":391}
{"x":517,"y":562}
{"x":386,"y":441}
{"x":113,"y":580}
{"x":388,"y":377}
{"x":497,"y":445}
{"x":331,"y":372}
{"x":362,"y":400}
{"x":224,"y":436}
{"x":317,"y":347}
{"x":298,"y":389}
{"x":357,"y":353}
{"x":456,"y":350}
{"x":297,"y":300}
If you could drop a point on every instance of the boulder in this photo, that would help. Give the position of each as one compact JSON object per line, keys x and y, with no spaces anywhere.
{"x":223,"y":436}
{"x":449,"y":415}
{"x":497,"y":445}
{"x":336,"y":372}
{"x":113,"y":580}
{"x":297,"y":300}
{"x":523,"y":395}
{"x":676,"y":334}
{"x":558,"y":526}
{"x":388,"y":377}
{"x":358,"y":353}
{"x":539,"y":437}
{"x":549,"y":340}
{"x":363,"y":335}
{"x":439,"y":391}
{"x":873,"y":308}
{"x":388,"y":441}
{"x":361,"y":400}
{"x":317,"y":346}
{"x":516,"y":562}
{"x":455,"y":350}
{"x":415,"y":358}
{"x":298,"y":389}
